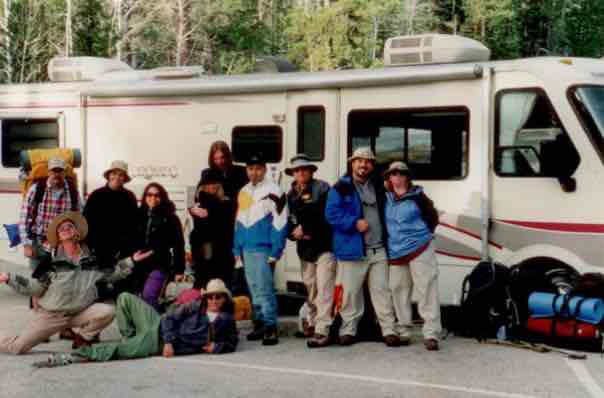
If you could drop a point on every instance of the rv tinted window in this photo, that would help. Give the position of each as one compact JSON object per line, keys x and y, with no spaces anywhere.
{"x":311,"y":132}
{"x":433,"y":142}
{"x":530,"y":140}
{"x":263,"y":140}
{"x":23,"y":134}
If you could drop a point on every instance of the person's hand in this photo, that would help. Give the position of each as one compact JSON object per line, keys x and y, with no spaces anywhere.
{"x":168,"y":350}
{"x":272,"y":262}
{"x":141,"y":255}
{"x":199,"y":212}
{"x":298,"y":233}
{"x":4,"y":277}
{"x":238,"y":262}
{"x":362,"y":225}
{"x":209,"y":348}
{"x":28,"y":251}
{"x":179,"y":277}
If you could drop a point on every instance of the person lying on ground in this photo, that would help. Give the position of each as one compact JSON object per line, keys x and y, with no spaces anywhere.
{"x":66,"y":288}
{"x":203,"y":326}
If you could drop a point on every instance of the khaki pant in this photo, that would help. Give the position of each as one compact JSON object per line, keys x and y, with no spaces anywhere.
{"x":421,"y":275}
{"x":320,"y":280}
{"x":89,"y":321}
{"x":351,"y":275}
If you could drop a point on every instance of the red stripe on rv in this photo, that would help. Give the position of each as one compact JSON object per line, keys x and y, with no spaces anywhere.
{"x":558,"y":226}
{"x":461,"y":256}
{"x":472,"y":234}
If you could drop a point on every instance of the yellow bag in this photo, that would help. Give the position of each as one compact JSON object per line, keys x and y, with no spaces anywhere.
{"x":243,"y":308}
{"x":35,"y":163}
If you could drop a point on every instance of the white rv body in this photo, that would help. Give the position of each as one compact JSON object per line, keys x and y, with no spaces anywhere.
{"x":164,"y":128}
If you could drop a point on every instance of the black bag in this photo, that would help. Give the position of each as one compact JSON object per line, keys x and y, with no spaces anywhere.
{"x":486,"y":303}
{"x":591,"y":285}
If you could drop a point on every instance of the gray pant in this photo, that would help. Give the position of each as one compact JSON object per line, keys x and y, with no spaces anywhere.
{"x":351,"y":276}
{"x":319,"y":278}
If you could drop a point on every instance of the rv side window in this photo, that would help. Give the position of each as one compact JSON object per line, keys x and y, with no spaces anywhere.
{"x":23,"y":134}
{"x":311,"y":132}
{"x":433,"y":142}
{"x":529,"y":136}
{"x":263,"y":140}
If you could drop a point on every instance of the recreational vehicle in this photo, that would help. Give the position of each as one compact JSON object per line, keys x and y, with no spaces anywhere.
{"x":512,"y":152}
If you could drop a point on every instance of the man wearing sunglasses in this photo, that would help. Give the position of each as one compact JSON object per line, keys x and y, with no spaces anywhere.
{"x":355,"y":210}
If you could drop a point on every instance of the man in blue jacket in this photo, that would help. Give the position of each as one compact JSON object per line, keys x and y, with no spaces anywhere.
{"x":355,"y":210}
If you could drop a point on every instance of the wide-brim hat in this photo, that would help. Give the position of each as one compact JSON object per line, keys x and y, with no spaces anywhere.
{"x":75,"y":217}
{"x":118,"y":165}
{"x":217,"y":286}
{"x":362,"y":153}
{"x":299,"y":162}
{"x":397,"y":166}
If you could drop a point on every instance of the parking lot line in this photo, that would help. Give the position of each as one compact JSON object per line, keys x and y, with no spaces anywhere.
{"x":585,"y":378}
{"x":335,"y":375}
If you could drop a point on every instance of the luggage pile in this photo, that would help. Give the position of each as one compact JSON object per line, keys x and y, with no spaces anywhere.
{"x":537,"y":304}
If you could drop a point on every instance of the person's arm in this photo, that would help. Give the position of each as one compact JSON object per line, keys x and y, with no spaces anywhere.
{"x":170,"y":322}
{"x":336,"y":216}
{"x":237,"y":238}
{"x":279,"y":227}
{"x":25,"y":218}
{"x":231,"y":339}
{"x":178,"y":247}
{"x":27,"y":286}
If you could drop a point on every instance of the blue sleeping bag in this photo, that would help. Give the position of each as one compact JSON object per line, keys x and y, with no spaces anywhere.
{"x":546,"y":305}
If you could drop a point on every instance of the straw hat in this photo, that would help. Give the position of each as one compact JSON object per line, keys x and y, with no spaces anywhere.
{"x":298,"y":162}
{"x":397,"y":166}
{"x":362,"y":153}
{"x":217,"y":286}
{"x":75,"y":217}
{"x":118,"y":165}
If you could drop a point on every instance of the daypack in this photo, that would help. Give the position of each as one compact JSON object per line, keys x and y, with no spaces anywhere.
{"x":486,"y":303}
{"x":34,"y":166}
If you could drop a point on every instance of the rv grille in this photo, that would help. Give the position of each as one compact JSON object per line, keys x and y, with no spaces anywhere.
{"x":406,"y":42}
{"x":411,"y":58}
{"x":428,"y":56}
{"x":428,"y":41}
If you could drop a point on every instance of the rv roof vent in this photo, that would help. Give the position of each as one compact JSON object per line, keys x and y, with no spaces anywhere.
{"x":433,"y":49}
{"x":69,"y":69}
{"x":177,"y":72}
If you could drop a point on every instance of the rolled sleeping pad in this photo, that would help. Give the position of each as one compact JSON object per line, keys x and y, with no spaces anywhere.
{"x":547,"y":305}
{"x":72,"y":156}
{"x":562,"y":328}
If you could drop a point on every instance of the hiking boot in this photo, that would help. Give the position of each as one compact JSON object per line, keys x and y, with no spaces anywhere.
{"x":257,"y":333}
{"x":271,"y":336}
{"x":392,"y":340}
{"x":431,"y":344}
{"x":318,"y":340}
{"x":347,"y":340}
{"x":79,"y":341}
{"x":405,"y":340}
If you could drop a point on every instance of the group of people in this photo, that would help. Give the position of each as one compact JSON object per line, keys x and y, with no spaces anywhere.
{"x":366,"y":228}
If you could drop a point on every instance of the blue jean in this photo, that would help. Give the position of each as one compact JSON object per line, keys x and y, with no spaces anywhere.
{"x":259,"y":277}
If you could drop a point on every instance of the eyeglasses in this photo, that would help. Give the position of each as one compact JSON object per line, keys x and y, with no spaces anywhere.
{"x":153,"y":195}
{"x":66,"y":227}
{"x":214,"y":296}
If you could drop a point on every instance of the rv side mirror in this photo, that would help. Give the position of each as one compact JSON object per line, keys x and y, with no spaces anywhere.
{"x":560,"y":159}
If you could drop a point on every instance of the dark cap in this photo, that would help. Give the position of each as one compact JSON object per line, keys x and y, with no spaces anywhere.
{"x":212,"y":176}
{"x":256,"y":159}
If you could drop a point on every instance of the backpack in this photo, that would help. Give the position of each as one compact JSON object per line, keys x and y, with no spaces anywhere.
{"x":34,"y":166}
{"x":486,"y":303}
{"x":590,"y":284}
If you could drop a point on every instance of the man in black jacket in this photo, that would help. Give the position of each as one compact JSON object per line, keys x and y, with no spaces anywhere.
{"x":308,"y":227}
{"x":111,"y":212}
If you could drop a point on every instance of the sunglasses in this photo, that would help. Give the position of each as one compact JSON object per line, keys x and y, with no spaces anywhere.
{"x":214,"y":296}
{"x":153,"y":195}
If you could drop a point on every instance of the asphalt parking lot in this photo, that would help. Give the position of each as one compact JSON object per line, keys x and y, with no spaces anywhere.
{"x":462,"y":368}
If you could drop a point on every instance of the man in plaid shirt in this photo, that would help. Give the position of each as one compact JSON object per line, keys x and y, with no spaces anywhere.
{"x":40,"y":208}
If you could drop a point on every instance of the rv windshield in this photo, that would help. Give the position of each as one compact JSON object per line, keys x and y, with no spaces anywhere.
{"x":589,"y":103}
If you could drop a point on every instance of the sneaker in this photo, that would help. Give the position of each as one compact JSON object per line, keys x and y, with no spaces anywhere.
{"x":271,"y":336}
{"x":257,"y":333}
{"x":431,"y":344}
{"x":392,"y":340}
{"x":347,"y":340}
{"x":308,"y":330}
{"x":318,"y":340}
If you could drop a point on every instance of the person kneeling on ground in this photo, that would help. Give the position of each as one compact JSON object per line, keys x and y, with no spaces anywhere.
{"x":66,"y":287}
{"x":203,"y":326}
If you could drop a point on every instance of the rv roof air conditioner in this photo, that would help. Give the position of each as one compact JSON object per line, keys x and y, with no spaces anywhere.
{"x":177,"y":72}
{"x":70,"y":69}
{"x":433,"y":49}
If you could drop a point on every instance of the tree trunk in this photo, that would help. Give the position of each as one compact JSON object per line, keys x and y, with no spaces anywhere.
{"x":68,"y":30}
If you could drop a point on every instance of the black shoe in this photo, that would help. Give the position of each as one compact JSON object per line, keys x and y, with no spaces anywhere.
{"x":271,"y":336}
{"x":318,"y":341}
{"x":392,"y":340}
{"x":257,"y":333}
{"x":347,"y":339}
